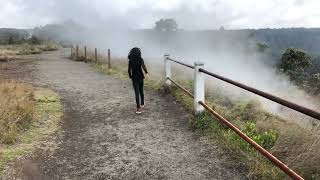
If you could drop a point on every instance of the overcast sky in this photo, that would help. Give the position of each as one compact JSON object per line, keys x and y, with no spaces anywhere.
{"x":190,"y":14}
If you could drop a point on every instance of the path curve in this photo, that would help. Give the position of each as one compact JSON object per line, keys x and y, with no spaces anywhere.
{"x":102,"y":138}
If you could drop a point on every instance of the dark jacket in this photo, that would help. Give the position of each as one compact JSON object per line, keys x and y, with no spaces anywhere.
{"x":135,"y":68}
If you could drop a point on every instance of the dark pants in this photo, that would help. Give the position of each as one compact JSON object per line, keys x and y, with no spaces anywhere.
{"x":138,"y":90}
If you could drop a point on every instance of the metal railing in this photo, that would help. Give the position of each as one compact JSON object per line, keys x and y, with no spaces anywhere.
{"x":187,"y":65}
{"x":299,"y":108}
{"x":198,"y":70}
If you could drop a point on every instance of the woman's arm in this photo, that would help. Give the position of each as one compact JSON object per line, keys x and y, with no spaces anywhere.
{"x":130,"y":69}
{"x":144,"y":66}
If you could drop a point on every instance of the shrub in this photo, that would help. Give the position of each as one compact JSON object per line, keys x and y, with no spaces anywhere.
{"x":266,"y":139}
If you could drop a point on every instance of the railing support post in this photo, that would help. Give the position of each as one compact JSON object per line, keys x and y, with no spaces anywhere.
{"x":95,"y":55}
{"x":109,"y":59}
{"x":167,"y":69}
{"x":198,"y":88}
{"x":77,"y":52}
{"x":85,"y":54}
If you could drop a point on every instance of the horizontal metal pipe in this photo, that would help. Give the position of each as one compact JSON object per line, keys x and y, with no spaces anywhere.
{"x":263,"y":151}
{"x":271,"y":97}
{"x":182,"y":88}
{"x":187,"y":65}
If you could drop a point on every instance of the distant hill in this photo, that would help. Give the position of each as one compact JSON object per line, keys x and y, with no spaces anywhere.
{"x":307,"y":39}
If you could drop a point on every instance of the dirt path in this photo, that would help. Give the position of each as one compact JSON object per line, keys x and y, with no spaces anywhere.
{"x":102,"y":138}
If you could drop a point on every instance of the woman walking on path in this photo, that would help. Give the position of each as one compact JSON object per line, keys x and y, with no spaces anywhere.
{"x":136,"y":64}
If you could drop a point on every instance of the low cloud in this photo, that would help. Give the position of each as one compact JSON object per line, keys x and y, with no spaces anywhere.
{"x":193,"y":14}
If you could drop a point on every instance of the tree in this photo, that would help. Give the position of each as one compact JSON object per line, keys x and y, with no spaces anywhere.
{"x":166,"y":25}
{"x":314,"y":84}
{"x":295,"y":64}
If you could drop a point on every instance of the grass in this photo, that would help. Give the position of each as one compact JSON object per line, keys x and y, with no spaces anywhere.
{"x":28,"y":115}
{"x":16,"y":110}
{"x":295,"y":146}
{"x":11,"y":52}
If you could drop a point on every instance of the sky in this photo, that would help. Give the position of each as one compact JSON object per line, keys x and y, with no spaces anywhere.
{"x":141,"y":14}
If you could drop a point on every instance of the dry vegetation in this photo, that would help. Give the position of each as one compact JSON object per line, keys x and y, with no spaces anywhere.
{"x":27,"y":115}
{"x":292,"y":144}
{"x":16,"y":110}
{"x":10,"y":52}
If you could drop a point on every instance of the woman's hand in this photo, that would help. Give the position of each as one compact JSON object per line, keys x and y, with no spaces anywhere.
{"x":147,"y":75}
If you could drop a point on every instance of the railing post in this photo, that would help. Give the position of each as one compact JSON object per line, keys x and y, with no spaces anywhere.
{"x":95,"y":55}
{"x":77,"y":52}
{"x":85,"y":54}
{"x":167,"y":69}
{"x":198,"y":87}
{"x":109,"y":59}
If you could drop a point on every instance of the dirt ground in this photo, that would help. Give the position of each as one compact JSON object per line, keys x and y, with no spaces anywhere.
{"x":102,"y":137}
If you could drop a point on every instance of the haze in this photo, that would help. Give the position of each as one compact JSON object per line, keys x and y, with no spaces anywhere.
{"x":137,"y":14}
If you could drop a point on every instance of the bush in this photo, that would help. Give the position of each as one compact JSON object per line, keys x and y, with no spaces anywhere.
{"x":265,"y":139}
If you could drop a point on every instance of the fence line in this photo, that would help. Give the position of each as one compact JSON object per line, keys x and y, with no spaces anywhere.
{"x":85,"y":57}
{"x":199,"y":89}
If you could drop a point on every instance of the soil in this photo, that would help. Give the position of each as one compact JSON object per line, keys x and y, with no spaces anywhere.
{"x":103,"y":138}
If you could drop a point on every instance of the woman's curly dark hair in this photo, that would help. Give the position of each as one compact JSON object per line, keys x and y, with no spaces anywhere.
{"x":135,"y":53}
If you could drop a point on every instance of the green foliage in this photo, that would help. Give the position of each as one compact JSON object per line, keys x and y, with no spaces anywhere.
{"x":294,"y":60}
{"x":266,"y":139}
{"x":301,"y":70}
{"x":202,"y":121}
{"x":314,"y":84}
{"x":295,"y":63}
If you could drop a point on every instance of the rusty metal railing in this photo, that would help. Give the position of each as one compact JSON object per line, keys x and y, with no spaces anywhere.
{"x":184,"y":64}
{"x":223,"y":120}
{"x":302,"y":109}
{"x":259,"y":148}
{"x":182,"y":88}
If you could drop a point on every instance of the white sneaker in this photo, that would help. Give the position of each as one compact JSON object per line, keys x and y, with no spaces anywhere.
{"x":142,"y":106}
{"x":138,"y":111}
